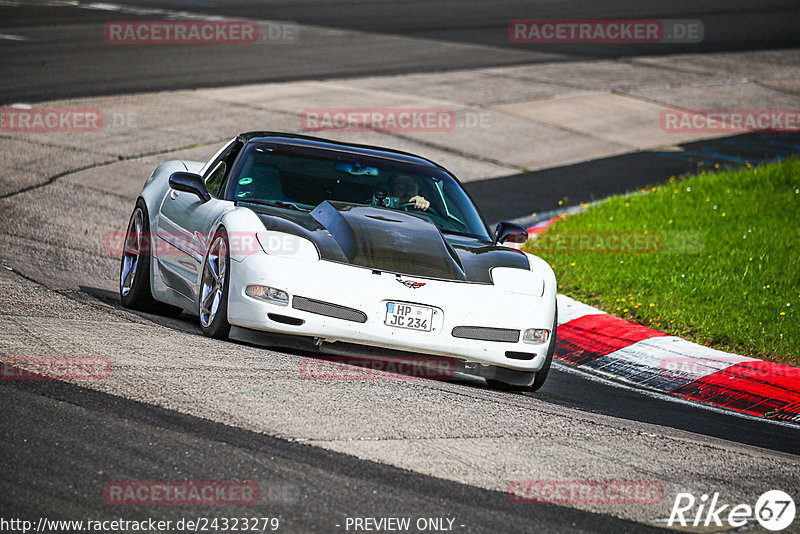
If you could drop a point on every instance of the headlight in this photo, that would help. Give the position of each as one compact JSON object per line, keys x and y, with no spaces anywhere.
{"x":270,"y":294}
{"x":287,"y":245}
{"x":535,"y":335}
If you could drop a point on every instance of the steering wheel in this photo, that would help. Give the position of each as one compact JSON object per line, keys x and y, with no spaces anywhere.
{"x":405,"y":205}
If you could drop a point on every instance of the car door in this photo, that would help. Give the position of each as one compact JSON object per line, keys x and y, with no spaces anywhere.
{"x":184,"y":224}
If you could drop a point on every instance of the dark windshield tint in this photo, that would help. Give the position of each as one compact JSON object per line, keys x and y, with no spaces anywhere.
{"x":307,"y":177}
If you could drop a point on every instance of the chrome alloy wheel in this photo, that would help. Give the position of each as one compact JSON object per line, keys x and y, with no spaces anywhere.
{"x":132,"y":251}
{"x":213,"y":285}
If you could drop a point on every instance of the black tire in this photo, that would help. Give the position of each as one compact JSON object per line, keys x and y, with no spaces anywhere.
{"x":505,"y":386}
{"x":214,"y":319}
{"x":539,"y":376}
{"x":135,"y":292}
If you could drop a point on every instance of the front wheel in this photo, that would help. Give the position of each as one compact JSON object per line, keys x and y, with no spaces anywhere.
{"x":214,"y":287}
{"x":541,"y":375}
{"x":509,"y":379}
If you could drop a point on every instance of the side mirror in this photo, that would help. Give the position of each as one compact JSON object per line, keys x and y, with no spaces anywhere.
{"x":508,"y":231}
{"x":190,"y":183}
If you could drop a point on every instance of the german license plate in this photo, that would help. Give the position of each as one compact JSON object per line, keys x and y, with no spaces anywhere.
{"x":402,"y":315}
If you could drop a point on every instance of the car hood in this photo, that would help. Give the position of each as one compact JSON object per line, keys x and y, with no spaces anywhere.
{"x":391,"y":241}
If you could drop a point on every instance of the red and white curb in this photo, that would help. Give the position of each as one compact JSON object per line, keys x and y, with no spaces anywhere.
{"x":596,"y":341}
{"x":615,"y":348}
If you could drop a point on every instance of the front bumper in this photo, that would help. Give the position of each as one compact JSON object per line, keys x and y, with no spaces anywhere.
{"x":457,"y":304}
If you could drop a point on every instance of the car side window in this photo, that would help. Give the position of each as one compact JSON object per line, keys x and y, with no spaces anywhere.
{"x":218,"y":173}
{"x":215,"y":178}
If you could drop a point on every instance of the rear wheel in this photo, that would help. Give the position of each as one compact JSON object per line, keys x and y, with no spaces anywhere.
{"x":134,"y":271}
{"x":214,"y":288}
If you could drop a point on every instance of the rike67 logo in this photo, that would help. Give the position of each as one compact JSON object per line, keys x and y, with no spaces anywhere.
{"x":774,"y":510}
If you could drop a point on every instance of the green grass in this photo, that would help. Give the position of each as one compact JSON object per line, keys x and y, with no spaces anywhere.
{"x":729,"y":272}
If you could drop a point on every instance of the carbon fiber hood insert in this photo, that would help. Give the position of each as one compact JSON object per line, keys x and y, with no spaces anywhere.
{"x":391,"y":241}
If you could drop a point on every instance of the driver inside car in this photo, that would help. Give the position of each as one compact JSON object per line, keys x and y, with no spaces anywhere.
{"x":404,"y":190}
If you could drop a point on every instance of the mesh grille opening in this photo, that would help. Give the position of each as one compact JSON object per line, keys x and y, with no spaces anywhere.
{"x":482,"y":333}
{"x":329,"y":310}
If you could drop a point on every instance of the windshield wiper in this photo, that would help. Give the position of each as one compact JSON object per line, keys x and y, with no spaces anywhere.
{"x":275,"y":203}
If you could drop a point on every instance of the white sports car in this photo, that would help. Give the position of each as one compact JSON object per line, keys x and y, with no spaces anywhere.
{"x":339,"y":245}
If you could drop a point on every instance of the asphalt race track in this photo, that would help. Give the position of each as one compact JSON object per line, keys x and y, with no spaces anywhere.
{"x":308,"y":487}
{"x":65,"y":41}
{"x":508,"y":197}
{"x":184,"y":407}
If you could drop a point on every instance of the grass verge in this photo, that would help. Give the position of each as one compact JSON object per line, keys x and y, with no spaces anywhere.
{"x":714,"y":258}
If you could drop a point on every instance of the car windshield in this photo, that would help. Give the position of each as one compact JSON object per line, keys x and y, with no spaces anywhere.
{"x":302,"y":178}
